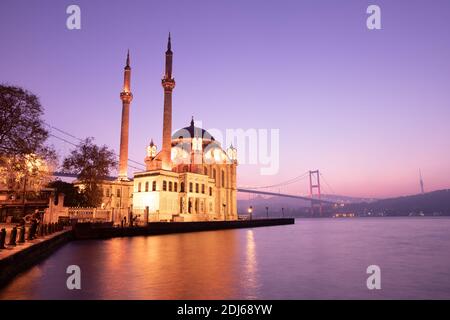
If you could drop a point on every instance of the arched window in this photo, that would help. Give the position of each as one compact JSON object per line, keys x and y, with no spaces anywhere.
{"x":139,"y":187}
{"x":175,"y":187}
{"x":196,"y":188}
{"x":223,"y":179}
{"x":182,"y":187}
{"x":210,"y":191}
{"x":190,"y":187}
{"x":154,"y":186}
{"x":203,"y":188}
{"x":164,"y":185}
{"x":146,"y":186}
{"x":170,"y":185}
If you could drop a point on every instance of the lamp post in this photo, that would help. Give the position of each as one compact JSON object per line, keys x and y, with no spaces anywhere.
{"x":224,"y":212}
{"x":282,"y":212}
{"x":250,"y":211}
{"x":267,"y":212}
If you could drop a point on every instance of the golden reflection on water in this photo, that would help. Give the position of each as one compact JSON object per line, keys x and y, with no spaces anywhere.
{"x":172,"y":267}
{"x":181,"y":266}
{"x":251,"y":266}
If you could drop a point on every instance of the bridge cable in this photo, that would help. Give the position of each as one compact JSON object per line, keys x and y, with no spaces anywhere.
{"x":284,"y":183}
{"x":328,"y":185}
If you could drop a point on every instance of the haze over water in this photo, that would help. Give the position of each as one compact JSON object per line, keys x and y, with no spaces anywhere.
{"x":316,"y":258}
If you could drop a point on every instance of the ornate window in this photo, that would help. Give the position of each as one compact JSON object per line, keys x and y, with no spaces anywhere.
{"x":190,"y":187}
{"x":139,"y":187}
{"x":146,"y":186}
{"x":175,"y":187}
{"x":196,"y":188}
{"x":164,"y":185}
{"x":203,"y":188}
{"x":182,"y":187}
{"x":170,"y":185}
{"x":154,"y":186}
{"x":210,"y":191}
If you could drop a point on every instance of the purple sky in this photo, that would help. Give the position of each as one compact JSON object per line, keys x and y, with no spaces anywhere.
{"x":367,"y":108}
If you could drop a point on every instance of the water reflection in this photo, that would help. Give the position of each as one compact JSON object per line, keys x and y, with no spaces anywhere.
{"x":251,"y":267}
{"x":322,"y":258}
{"x":162,"y":267}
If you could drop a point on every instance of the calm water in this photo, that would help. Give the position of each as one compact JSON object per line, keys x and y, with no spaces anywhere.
{"x":325,"y":258}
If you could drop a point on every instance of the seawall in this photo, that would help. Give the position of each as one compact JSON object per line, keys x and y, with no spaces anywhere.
{"x":90,"y":231}
{"x":26,"y":257}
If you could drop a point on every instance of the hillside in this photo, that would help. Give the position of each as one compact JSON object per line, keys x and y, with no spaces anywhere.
{"x":431,"y":203}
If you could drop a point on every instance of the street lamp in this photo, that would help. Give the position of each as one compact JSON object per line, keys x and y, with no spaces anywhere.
{"x":224,"y":212}
{"x":282,"y":212}
{"x":267,"y":212}
{"x":250,"y":211}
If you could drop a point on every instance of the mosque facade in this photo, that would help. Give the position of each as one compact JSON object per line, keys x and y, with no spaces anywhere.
{"x":192,"y":178}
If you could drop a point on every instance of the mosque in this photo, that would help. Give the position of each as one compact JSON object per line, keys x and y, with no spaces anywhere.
{"x":192,"y":178}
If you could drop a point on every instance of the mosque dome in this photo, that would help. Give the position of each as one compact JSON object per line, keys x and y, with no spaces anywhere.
{"x":192,"y":131}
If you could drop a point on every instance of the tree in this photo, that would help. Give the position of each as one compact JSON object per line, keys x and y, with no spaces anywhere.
{"x":25,"y":174}
{"x":22,"y":131}
{"x":92,"y":165}
{"x":72,"y":196}
{"x":26,"y":161}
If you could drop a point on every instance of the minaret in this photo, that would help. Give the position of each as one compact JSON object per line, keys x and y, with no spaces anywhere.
{"x":168,"y":84}
{"x":126,"y":96}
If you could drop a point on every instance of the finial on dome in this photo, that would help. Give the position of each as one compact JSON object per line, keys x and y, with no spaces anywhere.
{"x":192,"y":121}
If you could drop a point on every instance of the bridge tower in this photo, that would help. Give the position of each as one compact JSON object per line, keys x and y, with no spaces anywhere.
{"x":422,"y":190}
{"x":314,"y":191}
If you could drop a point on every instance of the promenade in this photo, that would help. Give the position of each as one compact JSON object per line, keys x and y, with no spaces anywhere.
{"x":10,"y":250}
{"x":23,"y":246}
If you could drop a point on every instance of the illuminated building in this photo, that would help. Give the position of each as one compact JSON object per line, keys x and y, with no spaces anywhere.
{"x":190,"y":179}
